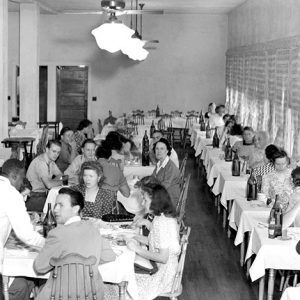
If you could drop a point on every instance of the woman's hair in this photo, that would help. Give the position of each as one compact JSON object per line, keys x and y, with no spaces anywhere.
{"x":160,"y":200}
{"x":84,"y":124}
{"x":102,"y":152}
{"x":113,"y":141}
{"x":63,"y":131}
{"x":91,"y":165}
{"x":280,"y":153}
{"x":269,"y":151}
{"x":164,"y":141}
{"x":226,"y":116}
{"x":145,"y":181}
{"x":248,"y":128}
{"x":296,"y":176}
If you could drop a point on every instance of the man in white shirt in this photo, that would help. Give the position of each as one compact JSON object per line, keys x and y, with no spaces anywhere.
{"x":216,"y":120}
{"x":157,"y":135}
{"x":13,"y":215}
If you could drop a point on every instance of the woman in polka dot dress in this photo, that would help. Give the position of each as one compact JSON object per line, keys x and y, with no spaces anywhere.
{"x":98,"y":201}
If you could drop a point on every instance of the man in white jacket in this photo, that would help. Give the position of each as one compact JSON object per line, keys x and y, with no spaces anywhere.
{"x":13,"y":215}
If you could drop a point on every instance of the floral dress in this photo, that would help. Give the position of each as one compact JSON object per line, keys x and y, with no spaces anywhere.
{"x":278,"y":183}
{"x":103,"y":204}
{"x":164,"y":234}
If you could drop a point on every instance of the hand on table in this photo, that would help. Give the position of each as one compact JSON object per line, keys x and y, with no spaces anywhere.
{"x":133,"y":245}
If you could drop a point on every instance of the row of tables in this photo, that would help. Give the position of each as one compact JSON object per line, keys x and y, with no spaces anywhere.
{"x":248,"y":219}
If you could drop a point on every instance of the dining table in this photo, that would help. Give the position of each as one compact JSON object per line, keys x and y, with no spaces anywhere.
{"x":18,"y":260}
{"x":291,"y":293}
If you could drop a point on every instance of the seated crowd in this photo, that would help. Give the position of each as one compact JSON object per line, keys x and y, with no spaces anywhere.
{"x":95,"y":174}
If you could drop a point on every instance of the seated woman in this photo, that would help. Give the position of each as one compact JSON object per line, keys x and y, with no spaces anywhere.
{"x":245,"y":148}
{"x":114,"y":179}
{"x":261,"y":140}
{"x":68,"y":149}
{"x":237,"y":128}
{"x":97,"y":200}
{"x":165,"y":171}
{"x":267,"y":166}
{"x":84,"y":131}
{"x":274,"y":183}
{"x":88,"y":154}
{"x":163,"y":242}
{"x":292,"y":214}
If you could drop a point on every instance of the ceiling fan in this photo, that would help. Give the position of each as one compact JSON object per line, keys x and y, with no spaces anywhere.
{"x":115,"y":7}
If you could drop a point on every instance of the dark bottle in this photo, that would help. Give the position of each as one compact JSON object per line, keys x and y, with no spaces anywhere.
{"x":152,"y":129}
{"x":157,"y":112}
{"x":208,"y":131}
{"x":202,"y":122}
{"x":275,"y":220}
{"x":228,"y":151}
{"x":236,"y":165}
{"x":145,"y":152}
{"x":251,"y":187}
{"x":49,"y":221}
{"x":216,"y":140}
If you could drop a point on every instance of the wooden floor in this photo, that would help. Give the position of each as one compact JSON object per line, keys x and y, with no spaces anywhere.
{"x":212,"y":269}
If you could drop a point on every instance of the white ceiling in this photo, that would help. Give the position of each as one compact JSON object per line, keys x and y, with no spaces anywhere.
{"x":170,"y":6}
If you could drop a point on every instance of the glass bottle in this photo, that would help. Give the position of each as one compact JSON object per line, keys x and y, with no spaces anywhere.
{"x":251,"y":187}
{"x":208,"y":132}
{"x":157,"y":112}
{"x":145,"y":151}
{"x":216,"y":140}
{"x":49,"y":221}
{"x":228,"y":151}
{"x":202,"y":122}
{"x":152,"y":129}
{"x":275,"y":220}
{"x":236,"y":165}
{"x":271,"y":227}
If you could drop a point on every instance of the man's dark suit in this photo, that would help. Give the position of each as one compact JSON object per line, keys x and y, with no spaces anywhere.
{"x":78,"y":237}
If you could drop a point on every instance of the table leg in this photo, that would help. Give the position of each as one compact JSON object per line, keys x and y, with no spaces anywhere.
{"x":218,"y":203}
{"x":261,"y":290}
{"x":271,"y":284}
{"x":5,"y":287}
{"x":242,"y":251}
{"x":229,"y":210}
{"x":224,"y":217}
{"x":122,"y":290}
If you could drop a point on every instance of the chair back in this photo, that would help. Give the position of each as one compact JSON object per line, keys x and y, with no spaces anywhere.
{"x":176,"y":113}
{"x":182,"y":170}
{"x":73,"y":277}
{"x":41,"y":146}
{"x":139,"y":118}
{"x":180,"y":208}
{"x":161,"y":125}
{"x":51,"y":125}
{"x":177,"y":286}
{"x":152,"y":113}
{"x":138,"y":111}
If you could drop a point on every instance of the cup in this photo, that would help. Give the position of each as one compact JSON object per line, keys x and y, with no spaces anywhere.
{"x":262,"y":197}
{"x":65,"y":180}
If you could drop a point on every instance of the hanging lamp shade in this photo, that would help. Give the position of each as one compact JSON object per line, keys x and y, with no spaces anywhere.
{"x":134,"y":49}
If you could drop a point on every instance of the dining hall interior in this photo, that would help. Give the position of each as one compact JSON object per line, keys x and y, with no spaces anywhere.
{"x":150,"y":149}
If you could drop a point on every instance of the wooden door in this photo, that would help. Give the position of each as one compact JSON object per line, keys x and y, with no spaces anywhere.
{"x":43,"y":91}
{"x":72,"y":93}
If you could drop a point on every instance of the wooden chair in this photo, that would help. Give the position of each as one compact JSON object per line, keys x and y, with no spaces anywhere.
{"x":51,"y":125}
{"x":161,"y":124}
{"x":41,"y":146}
{"x":177,"y":285}
{"x":182,"y":170}
{"x":139,"y":119}
{"x":75,"y":272}
{"x":152,"y":113}
{"x":186,"y":137}
{"x":180,"y":207}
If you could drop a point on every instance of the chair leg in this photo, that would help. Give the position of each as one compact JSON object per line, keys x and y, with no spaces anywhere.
{"x":282,"y":280}
{"x":295,"y":279}
{"x":122,"y":290}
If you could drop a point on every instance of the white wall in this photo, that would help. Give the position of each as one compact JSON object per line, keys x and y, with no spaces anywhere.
{"x":186,"y":70}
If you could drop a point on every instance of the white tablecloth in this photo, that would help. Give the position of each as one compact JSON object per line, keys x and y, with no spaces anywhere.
{"x":231,"y":187}
{"x":201,"y":143}
{"x":291,"y":293}
{"x":20,"y":263}
{"x":271,"y":253}
{"x":245,"y":215}
{"x":138,"y":170}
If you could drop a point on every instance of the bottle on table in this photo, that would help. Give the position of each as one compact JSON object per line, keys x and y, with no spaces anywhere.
{"x":251,"y":187}
{"x":236,"y":165}
{"x":49,"y":221}
{"x":216,"y":140}
{"x":145,"y":151}
{"x":152,"y":129}
{"x":157,"y":112}
{"x":275,"y":220}
{"x":228,"y":151}
{"x":208,"y":131}
{"x":202,"y":122}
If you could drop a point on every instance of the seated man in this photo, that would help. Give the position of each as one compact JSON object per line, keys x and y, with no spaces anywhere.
{"x":157,"y":135}
{"x":43,"y":175}
{"x":13,"y":215}
{"x":72,"y":236}
{"x":216,"y":120}
{"x":88,"y":154}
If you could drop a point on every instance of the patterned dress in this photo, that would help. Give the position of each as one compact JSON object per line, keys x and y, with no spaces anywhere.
{"x":278,"y":183}
{"x":103,"y":204}
{"x":164,"y":234}
{"x":79,"y":138}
